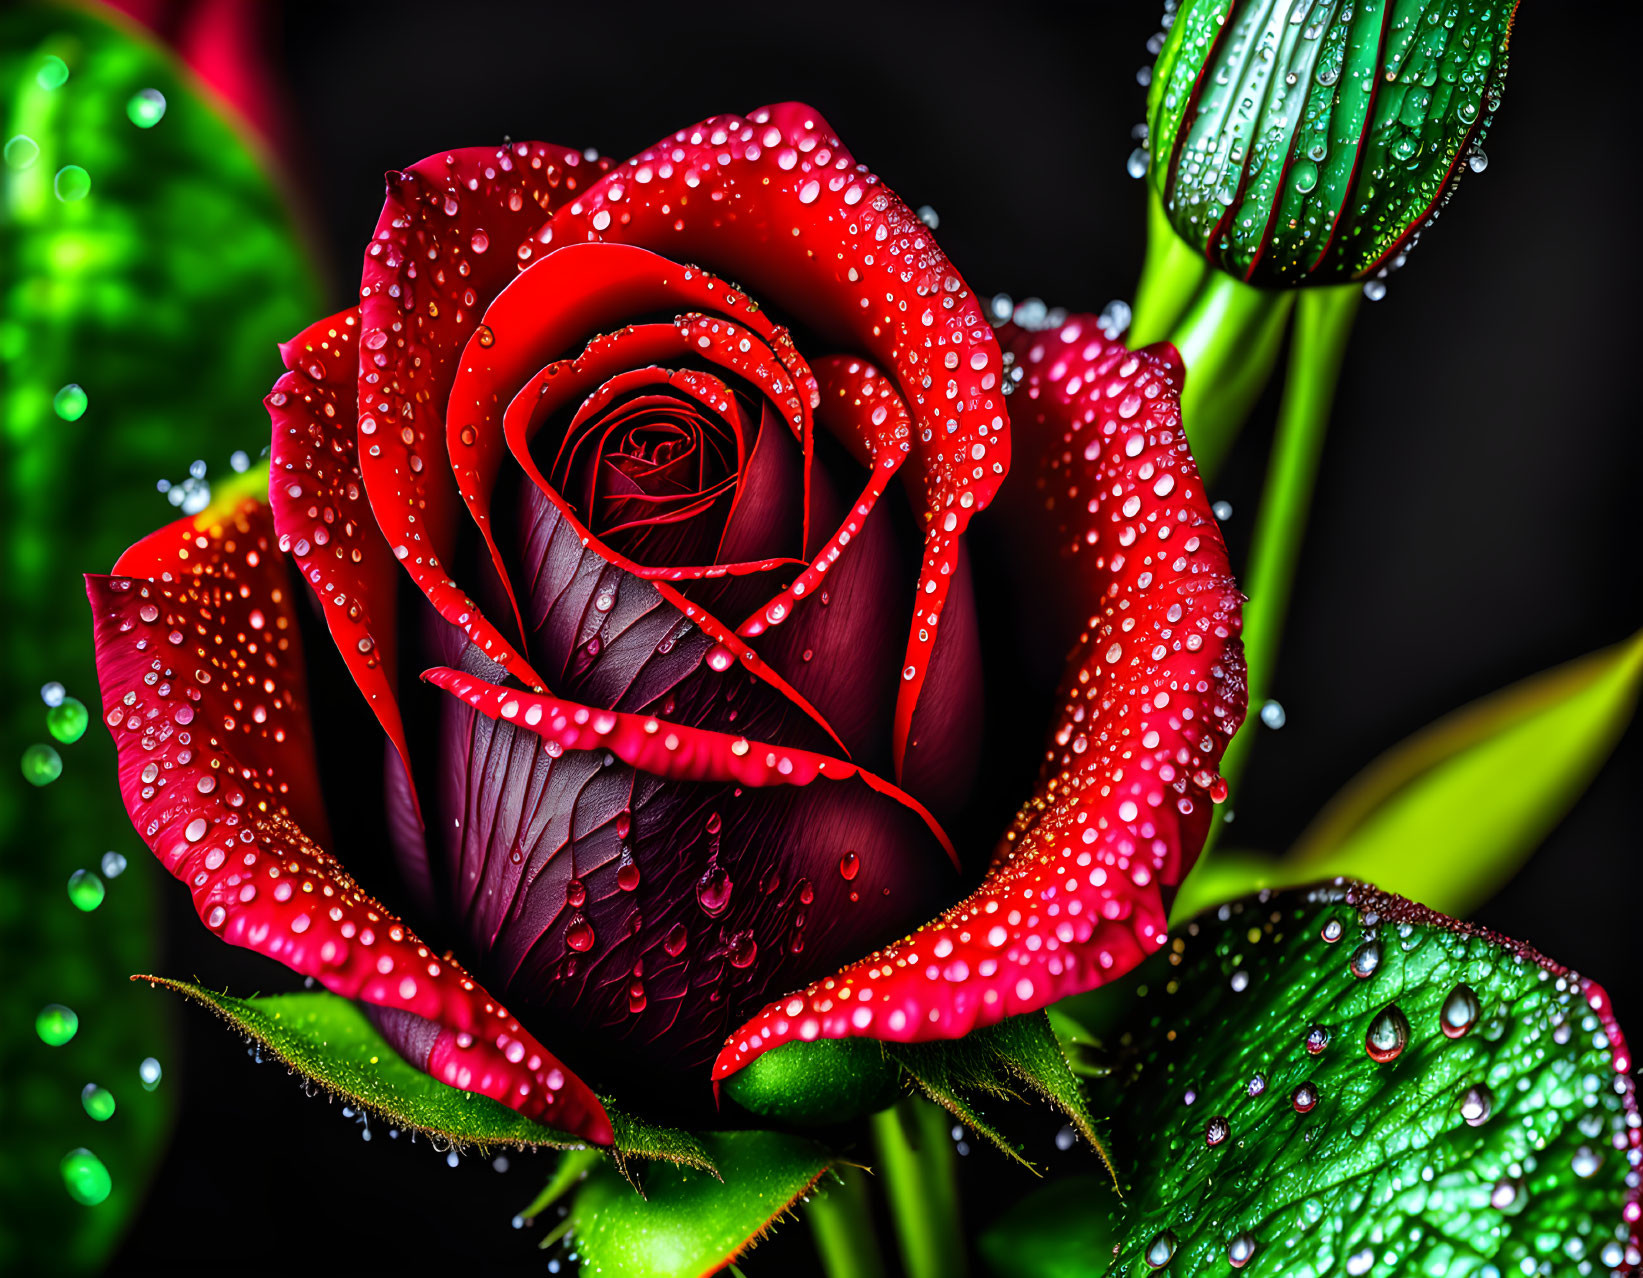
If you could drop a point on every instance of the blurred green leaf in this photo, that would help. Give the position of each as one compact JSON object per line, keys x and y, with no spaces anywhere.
{"x":688,"y":1222}
{"x":1449,"y":815}
{"x":1336,"y":1081}
{"x":1062,"y":1229}
{"x":161,"y":293}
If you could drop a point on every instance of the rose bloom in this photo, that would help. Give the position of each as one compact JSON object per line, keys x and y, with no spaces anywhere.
{"x":634,"y":498}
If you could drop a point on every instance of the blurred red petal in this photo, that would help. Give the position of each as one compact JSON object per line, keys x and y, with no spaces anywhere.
{"x":205,"y":695}
{"x":1076,"y":893}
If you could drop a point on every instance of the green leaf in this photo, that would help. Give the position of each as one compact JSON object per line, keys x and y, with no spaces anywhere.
{"x":1061,"y":1229}
{"x":1309,"y":146}
{"x":162,"y":293}
{"x":1449,"y":815}
{"x":689,"y":1223}
{"x":1470,"y":1107}
{"x":331,"y":1043}
{"x":820,"y":1083}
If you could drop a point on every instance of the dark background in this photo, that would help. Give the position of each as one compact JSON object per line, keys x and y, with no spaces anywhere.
{"x":1473,"y":522}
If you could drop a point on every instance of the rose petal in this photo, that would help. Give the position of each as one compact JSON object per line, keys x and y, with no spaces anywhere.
{"x":444,"y":247}
{"x":203,"y":689}
{"x":775,"y":198}
{"x":322,"y":516}
{"x":1075,"y":895}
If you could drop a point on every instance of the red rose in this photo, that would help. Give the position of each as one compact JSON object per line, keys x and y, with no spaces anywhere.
{"x":704,"y":681}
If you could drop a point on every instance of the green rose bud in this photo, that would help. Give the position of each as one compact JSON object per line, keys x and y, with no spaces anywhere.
{"x":1310,"y":143}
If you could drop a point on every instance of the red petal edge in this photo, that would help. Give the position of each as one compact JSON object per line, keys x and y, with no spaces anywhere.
{"x":775,"y":198}
{"x":204,"y":693}
{"x":1074,"y":896}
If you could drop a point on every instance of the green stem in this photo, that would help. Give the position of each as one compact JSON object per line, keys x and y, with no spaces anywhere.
{"x":841,"y":1220}
{"x":1323,"y":322}
{"x":1170,"y":276}
{"x":916,"y":1162}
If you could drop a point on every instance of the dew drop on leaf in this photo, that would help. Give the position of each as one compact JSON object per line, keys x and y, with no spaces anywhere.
{"x":85,"y":1177}
{"x":70,"y":402}
{"x":85,"y":889}
{"x":41,"y":765}
{"x":1388,"y":1035}
{"x":56,"y":1024}
{"x":1459,"y":1012}
{"x":149,"y":1073}
{"x":146,"y":108}
{"x":68,"y":720}
{"x":97,"y":1101}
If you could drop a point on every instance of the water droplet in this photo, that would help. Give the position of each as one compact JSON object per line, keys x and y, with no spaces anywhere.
{"x":1161,"y":1250}
{"x":1476,"y":1105}
{"x":71,"y":183}
{"x":97,"y":1101}
{"x":1360,"y":1262}
{"x":1136,"y":165}
{"x":1272,"y":714}
{"x":1507,"y":1193}
{"x":239,"y":461}
{"x":149,"y":1073}
{"x":1585,"y":1162}
{"x":487,"y":335}
{"x":627,"y":874}
{"x":849,"y":866}
{"x":929,"y":217}
{"x":1332,"y":931}
{"x":56,"y":1024}
{"x":1222,"y":510}
{"x":1216,"y":1130}
{"x":70,"y":402}
{"x":579,"y":934}
{"x":21,"y":151}
{"x":52,"y":72}
{"x":1477,"y":161}
{"x":85,"y":1177}
{"x":1304,"y":1098}
{"x":1366,"y":960}
{"x":85,"y":889}
{"x":674,"y":941}
{"x":114,"y":865}
{"x":1459,"y":1012}
{"x":1317,"y":1038}
{"x":1256,"y":1084}
{"x":743,"y":949}
{"x":713,"y":891}
{"x":1241,"y":1250}
{"x":576,"y":894}
{"x":41,"y":765}
{"x":1065,"y":1138}
{"x":52,"y":693}
{"x":67,"y":722}
{"x":1306,"y":176}
{"x":1388,"y":1035}
{"x":1374,"y":290}
{"x":146,"y":108}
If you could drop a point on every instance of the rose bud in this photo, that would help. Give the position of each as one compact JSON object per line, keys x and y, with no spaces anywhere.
{"x":659,"y":590}
{"x":1311,"y":145}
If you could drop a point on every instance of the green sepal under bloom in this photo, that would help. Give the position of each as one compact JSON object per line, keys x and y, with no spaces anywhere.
{"x":1295,"y":144}
{"x":817,"y":1084}
{"x":1334,"y":1080}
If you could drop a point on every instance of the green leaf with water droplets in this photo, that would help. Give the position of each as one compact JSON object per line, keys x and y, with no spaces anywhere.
{"x":688,"y":1222}
{"x":137,"y":333}
{"x":1310,"y":144}
{"x":1336,"y":1081}
{"x":1448,"y":816}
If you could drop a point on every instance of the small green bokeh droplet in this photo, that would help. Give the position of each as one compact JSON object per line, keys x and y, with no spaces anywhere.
{"x":98,"y":1102}
{"x":68,"y":720}
{"x":149,"y":1072}
{"x":146,"y":108}
{"x":70,"y":402}
{"x":41,"y":765}
{"x":53,"y":72}
{"x":71,"y":183}
{"x":56,"y":1024}
{"x":21,"y":151}
{"x":86,"y":890}
{"x":85,"y":1177}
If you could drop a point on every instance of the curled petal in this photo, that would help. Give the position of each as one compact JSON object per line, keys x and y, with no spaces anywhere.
{"x":445,"y":245}
{"x":1075,"y":895}
{"x":321,"y":514}
{"x":732,"y":192}
{"x":203,"y":690}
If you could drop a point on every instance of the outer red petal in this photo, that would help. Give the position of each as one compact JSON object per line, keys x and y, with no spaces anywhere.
{"x":203,"y":691}
{"x":322,"y":516}
{"x":444,"y":247}
{"x":1075,"y":895}
{"x":775,"y":199}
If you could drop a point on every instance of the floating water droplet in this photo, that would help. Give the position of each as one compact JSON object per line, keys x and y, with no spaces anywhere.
{"x":1216,"y":1130}
{"x":1388,"y":1035}
{"x":1136,"y":165}
{"x":1161,"y":1250}
{"x":85,"y":889}
{"x":1272,"y":714}
{"x":71,"y":183}
{"x":1241,"y":1250}
{"x":1374,"y":290}
{"x":114,"y":865}
{"x":1476,"y":1105}
{"x":1477,"y":161}
{"x":1304,"y":1098}
{"x":52,"y":693}
{"x":21,"y":151}
{"x":149,"y":1072}
{"x":56,"y":1024}
{"x":1366,"y":960}
{"x":453,"y":1159}
{"x":239,"y":461}
{"x":929,"y":217}
{"x":713,"y":891}
{"x":41,"y":765}
{"x":70,"y":402}
{"x":67,"y":722}
{"x":97,"y":1101}
{"x":1222,"y":510}
{"x":1459,"y":1012}
{"x":85,"y":1177}
{"x":146,"y":108}
{"x":52,"y":72}
{"x":1065,"y":1138}
{"x":849,"y":866}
